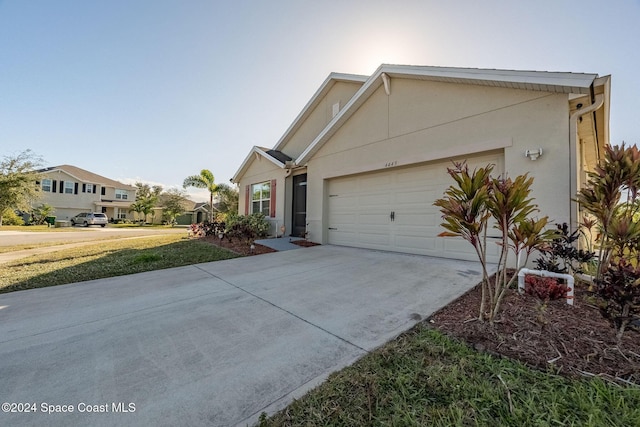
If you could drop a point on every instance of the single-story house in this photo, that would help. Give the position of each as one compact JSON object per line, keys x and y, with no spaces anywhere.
{"x":194,"y":212}
{"x":367,"y":156}
{"x":71,"y":190}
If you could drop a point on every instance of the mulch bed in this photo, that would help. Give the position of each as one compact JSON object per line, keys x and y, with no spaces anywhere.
{"x":571,"y":340}
{"x":238,"y":246}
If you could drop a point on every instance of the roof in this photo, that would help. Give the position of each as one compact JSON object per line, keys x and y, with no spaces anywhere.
{"x":317,"y":97}
{"x":556,"y":82}
{"x":88,"y":177}
{"x":278,"y":158}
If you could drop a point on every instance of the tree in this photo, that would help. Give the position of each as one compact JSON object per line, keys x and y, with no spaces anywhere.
{"x":40,"y":213}
{"x":228,"y":197}
{"x":204,"y":180}
{"x":18,"y":181}
{"x":146,"y":199}
{"x":173,"y":201}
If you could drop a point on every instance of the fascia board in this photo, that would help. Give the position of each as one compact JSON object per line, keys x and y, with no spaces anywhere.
{"x":249,"y":159}
{"x":332,"y":79}
{"x":358,"y":98}
{"x":525,"y":79}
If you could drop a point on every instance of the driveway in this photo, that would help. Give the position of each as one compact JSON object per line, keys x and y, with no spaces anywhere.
{"x":210,"y":344}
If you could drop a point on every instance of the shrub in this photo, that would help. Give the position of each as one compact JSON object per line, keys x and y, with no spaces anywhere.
{"x":546,"y":288}
{"x":562,"y":256}
{"x":618,"y":276}
{"x":11,"y":218}
{"x":466,"y":209}
{"x":247,"y":226}
{"x":620,"y":289}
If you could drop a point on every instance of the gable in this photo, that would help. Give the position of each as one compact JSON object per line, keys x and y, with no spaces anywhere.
{"x":388,"y":75}
{"x":318,"y":117}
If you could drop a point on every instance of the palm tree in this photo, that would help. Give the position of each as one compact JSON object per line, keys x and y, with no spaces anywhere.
{"x":204,"y":180}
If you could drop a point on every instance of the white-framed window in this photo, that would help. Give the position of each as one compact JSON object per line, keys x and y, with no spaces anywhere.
{"x":46,"y":185}
{"x":68,"y":187}
{"x":89,"y":188}
{"x":121,"y":213}
{"x":122,"y":194}
{"x":261,"y":198}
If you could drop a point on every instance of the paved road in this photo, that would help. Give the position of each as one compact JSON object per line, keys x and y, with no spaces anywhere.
{"x":210,"y":344}
{"x":75,"y":234}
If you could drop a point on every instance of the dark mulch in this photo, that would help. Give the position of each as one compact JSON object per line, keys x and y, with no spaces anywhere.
{"x":238,"y":246}
{"x":572,"y":340}
{"x":305,"y":243}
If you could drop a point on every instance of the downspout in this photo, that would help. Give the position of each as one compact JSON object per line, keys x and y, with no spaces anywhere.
{"x":575,"y":159}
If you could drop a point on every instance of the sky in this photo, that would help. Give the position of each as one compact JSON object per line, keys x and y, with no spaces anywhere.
{"x":157,"y":90}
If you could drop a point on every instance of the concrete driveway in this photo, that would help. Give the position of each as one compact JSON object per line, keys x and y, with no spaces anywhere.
{"x":209,"y":344}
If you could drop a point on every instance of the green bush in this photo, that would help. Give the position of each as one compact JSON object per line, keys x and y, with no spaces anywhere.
{"x":11,"y":218}
{"x":249,"y":227}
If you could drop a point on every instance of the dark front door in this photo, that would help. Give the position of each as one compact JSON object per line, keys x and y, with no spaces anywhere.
{"x":299,"y":205}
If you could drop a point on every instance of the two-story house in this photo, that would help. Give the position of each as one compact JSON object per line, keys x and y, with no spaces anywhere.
{"x":72,"y":190}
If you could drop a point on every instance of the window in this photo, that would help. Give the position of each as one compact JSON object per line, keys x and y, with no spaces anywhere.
{"x":68,"y":187}
{"x":89,"y":188}
{"x":121,"y":195}
{"x":121,"y":213}
{"x":261,"y":197}
{"x":46,"y":185}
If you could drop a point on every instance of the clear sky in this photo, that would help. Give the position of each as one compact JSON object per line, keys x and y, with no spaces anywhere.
{"x":156,"y":90}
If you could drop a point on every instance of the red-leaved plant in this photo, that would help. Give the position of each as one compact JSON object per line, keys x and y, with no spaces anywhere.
{"x":545,"y":288}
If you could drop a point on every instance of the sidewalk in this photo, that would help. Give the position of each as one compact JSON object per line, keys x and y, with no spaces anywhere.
{"x":280,"y":244}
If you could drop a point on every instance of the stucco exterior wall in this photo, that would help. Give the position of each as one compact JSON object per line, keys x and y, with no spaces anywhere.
{"x":340,"y":92}
{"x":424,"y":121}
{"x":68,"y":205}
{"x":262,"y":170}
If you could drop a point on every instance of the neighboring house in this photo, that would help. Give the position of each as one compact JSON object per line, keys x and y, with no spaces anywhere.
{"x":194,"y":212}
{"x":366,"y":158}
{"x":72,"y":190}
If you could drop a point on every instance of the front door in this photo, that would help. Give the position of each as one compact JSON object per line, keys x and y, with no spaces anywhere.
{"x":299,"y":205}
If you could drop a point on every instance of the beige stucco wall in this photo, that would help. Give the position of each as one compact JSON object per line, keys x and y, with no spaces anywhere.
{"x":261,"y":170}
{"x":424,"y":121}
{"x":319,"y":117}
{"x":68,"y":205}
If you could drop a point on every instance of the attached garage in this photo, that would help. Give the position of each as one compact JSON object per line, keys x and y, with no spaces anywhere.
{"x":393,"y":210}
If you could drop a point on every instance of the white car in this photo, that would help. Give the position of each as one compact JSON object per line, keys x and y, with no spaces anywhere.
{"x":90,"y":218}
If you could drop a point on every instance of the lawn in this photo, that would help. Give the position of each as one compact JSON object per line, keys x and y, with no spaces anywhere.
{"x":107,"y":259}
{"x":426,"y":378}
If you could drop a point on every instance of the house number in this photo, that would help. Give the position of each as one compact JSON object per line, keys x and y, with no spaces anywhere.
{"x":389,"y":164}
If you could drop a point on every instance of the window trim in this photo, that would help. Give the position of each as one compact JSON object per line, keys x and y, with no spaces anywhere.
{"x":68,"y":187}
{"x":122,"y":194}
{"x":46,"y":187}
{"x":261,"y":201}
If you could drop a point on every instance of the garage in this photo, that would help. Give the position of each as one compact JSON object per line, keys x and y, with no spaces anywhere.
{"x":393,"y":210}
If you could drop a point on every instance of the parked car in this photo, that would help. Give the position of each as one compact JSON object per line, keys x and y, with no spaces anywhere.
{"x":90,"y":218}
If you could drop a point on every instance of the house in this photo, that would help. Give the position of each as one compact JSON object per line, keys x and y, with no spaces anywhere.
{"x":367,"y":156}
{"x":194,"y":212}
{"x":72,"y":190}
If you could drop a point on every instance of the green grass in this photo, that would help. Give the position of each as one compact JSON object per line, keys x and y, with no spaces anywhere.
{"x":107,"y":259}
{"x":425,"y":378}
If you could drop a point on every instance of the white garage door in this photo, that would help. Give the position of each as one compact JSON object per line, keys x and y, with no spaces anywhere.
{"x":393,"y":211}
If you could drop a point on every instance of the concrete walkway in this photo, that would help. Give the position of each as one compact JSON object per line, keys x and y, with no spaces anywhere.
{"x":210,"y":344}
{"x":280,"y":244}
